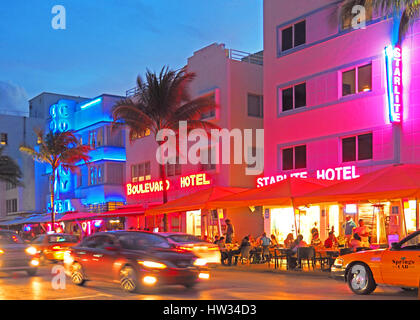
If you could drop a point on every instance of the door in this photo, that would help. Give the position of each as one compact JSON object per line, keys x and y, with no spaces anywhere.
{"x":83,"y":253}
{"x":401,"y":266}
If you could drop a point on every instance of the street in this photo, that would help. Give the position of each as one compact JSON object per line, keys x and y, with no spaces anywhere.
{"x":224,"y":284}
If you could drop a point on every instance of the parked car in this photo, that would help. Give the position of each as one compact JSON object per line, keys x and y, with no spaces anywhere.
{"x":205,"y":250}
{"x":16,"y":255}
{"x":396,"y":266}
{"x":133,"y":259}
{"x":53,"y":246}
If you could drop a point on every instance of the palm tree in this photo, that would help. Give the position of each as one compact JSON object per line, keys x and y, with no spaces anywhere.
{"x":58,"y":149}
{"x":162,"y":101}
{"x":9,"y":169}
{"x":405,"y":12}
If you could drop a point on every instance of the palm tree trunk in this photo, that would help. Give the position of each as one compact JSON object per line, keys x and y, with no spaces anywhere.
{"x":165,"y":196}
{"x":52,"y":200}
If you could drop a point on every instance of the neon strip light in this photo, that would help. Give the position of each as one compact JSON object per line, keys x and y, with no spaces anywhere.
{"x":393,"y":61}
{"x":96,"y":101}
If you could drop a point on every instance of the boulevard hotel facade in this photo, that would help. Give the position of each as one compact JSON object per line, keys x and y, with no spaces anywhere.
{"x":339,"y":103}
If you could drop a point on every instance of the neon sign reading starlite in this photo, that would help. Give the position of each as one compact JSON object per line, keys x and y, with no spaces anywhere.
{"x":393,"y":59}
{"x":338,"y":174}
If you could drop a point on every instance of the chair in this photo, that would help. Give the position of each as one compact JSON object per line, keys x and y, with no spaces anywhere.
{"x":279,"y":256}
{"x":245,"y":254}
{"x":322,"y":258}
{"x":306,"y":254}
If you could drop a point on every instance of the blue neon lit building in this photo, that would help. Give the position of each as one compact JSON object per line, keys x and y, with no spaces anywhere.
{"x":99,"y":185}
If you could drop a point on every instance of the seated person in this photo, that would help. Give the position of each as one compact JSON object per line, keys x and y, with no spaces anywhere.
{"x":274,"y":242}
{"x":331,"y":241}
{"x":216,"y":239}
{"x":316,"y":241}
{"x":289,"y":241}
{"x":292,"y":254}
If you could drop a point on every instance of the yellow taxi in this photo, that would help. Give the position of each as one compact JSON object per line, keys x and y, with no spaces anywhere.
{"x":396,"y":266}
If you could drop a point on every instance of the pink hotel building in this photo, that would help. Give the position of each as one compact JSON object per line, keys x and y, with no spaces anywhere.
{"x":327,"y":108}
{"x":328,"y":113}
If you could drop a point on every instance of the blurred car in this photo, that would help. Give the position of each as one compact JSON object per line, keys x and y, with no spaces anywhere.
{"x":397,"y":266}
{"x":53,"y":246}
{"x":205,"y":250}
{"x":133,"y":259}
{"x":16,"y":255}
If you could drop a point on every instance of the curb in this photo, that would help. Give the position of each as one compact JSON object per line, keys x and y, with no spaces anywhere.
{"x":319,"y":274}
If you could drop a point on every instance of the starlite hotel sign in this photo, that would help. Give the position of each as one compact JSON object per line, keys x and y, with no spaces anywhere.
{"x":393,"y":60}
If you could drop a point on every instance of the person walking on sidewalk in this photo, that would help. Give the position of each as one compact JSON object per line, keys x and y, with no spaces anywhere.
{"x":348,"y":226}
{"x":229,"y":231}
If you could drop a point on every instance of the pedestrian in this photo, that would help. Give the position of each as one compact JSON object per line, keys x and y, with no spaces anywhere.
{"x":229,"y":231}
{"x":348,"y":227}
{"x":265,"y":243}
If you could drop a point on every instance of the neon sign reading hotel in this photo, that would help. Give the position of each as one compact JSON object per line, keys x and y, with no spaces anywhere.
{"x":192,"y":180}
{"x":393,"y":60}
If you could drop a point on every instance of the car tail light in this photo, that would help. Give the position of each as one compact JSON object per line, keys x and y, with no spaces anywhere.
{"x":184,"y":248}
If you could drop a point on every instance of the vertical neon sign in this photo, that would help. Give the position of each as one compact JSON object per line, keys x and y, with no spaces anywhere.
{"x":393,"y":60}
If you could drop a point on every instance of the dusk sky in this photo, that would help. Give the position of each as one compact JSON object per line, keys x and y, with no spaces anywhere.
{"x":107,"y":43}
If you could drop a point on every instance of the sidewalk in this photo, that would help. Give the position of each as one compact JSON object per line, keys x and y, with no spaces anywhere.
{"x":264,"y":268}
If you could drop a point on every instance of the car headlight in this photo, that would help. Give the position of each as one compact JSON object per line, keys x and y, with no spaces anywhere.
{"x":338,"y":262}
{"x":152,"y":264}
{"x":68,"y":259}
{"x":1,"y":251}
{"x":31,"y":250}
{"x":200,"y":262}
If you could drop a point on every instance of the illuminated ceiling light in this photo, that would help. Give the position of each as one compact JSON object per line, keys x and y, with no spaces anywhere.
{"x":93,"y":102}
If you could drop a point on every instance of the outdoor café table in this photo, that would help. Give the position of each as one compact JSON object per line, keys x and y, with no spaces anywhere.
{"x":329,"y":254}
{"x":231,"y":250}
{"x":279,"y":253}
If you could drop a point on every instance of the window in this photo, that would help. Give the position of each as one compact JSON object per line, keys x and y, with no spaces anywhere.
{"x":139,"y":135}
{"x":357,"y":80}
{"x":96,"y":175}
{"x":140,"y":172}
{"x":3,"y":139}
{"x":293,"y":36}
{"x":255,"y":105}
{"x":294,"y":97}
{"x":10,"y":185}
{"x":115,"y":173}
{"x":208,"y":159}
{"x":212,"y":112}
{"x":173,"y":169}
{"x":357,"y":148}
{"x":347,"y":19}
{"x":11,"y":205}
{"x":294,"y":158}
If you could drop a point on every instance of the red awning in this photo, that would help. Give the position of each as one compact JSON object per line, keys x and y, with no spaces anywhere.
{"x":78,"y":216}
{"x":393,"y":182}
{"x":194,"y":201}
{"x":277,"y":194}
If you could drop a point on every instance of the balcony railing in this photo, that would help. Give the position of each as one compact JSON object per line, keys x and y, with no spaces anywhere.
{"x":256,"y":58}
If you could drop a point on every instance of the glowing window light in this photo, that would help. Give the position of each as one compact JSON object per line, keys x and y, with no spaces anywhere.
{"x":91,"y":103}
{"x":393,"y":61}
